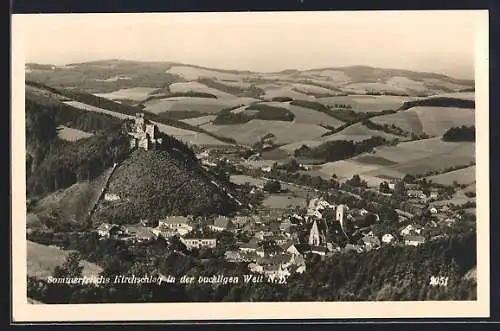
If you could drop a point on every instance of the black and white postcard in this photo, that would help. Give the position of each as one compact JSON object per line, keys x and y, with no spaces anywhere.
{"x":273,"y":165}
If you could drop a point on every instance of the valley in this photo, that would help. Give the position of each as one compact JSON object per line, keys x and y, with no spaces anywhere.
{"x":170,"y":168}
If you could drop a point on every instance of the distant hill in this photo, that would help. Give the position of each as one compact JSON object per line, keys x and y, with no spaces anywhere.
{"x":112,"y":75}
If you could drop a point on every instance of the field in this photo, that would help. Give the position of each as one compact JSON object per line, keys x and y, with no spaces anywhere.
{"x":432,"y":120}
{"x":250,"y":132}
{"x":461,"y":176}
{"x":358,"y":132}
{"x":366,"y":103}
{"x":459,"y":198}
{"x":311,"y":89}
{"x":192,"y":137}
{"x":134,"y":94}
{"x":284,"y":91}
{"x":307,"y":115}
{"x":415,"y":158}
{"x":197,"y":87}
{"x":197,"y":121}
{"x":280,"y":201}
{"x":206,"y":105}
{"x":70,"y":134}
{"x":194,"y":73}
{"x":242,"y":179}
{"x":42,"y":260}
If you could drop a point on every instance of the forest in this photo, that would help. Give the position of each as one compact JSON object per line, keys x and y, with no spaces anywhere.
{"x":461,"y":133}
{"x":339,"y":149}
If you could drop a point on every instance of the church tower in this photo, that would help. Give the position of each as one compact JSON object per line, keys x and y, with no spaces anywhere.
{"x":316,"y":238}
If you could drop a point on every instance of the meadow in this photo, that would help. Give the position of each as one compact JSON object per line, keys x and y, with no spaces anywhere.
{"x":42,"y":260}
{"x":70,"y":134}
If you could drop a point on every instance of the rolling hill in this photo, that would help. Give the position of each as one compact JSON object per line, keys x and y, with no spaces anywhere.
{"x":65,"y":177}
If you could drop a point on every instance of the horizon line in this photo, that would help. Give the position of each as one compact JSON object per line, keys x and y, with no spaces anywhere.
{"x":248,"y":70}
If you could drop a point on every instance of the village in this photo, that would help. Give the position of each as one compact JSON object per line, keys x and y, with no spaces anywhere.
{"x":278,"y":242}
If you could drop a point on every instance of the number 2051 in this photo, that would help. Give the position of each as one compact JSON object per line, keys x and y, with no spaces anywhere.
{"x":438,"y":281}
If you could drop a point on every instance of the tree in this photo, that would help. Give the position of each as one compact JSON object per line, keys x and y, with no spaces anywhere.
{"x":272,"y":186}
{"x":70,"y":268}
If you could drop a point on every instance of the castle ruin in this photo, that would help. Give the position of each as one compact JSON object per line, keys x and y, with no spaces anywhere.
{"x":143,"y":134}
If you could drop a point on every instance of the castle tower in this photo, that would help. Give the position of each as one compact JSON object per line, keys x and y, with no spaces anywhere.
{"x":315,"y":237}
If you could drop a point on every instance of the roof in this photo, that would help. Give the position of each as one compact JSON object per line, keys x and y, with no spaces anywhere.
{"x":223,"y":222}
{"x":274,"y":260}
{"x":249,"y":245}
{"x":370,"y":240}
{"x":319,"y":249}
{"x":106,"y":227}
{"x":302,"y":248}
{"x":415,"y":238}
{"x":242,"y":220}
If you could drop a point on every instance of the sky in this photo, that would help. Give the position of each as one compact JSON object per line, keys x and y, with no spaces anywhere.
{"x":434,"y":41}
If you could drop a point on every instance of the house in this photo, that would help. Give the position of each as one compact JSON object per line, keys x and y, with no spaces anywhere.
{"x":107,"y":230}
{"x":222,"y":223}
{"x":241,"y":221}
{"x":370,"y":242}
{"x":199,"y":242}
{"x":268,"y":250}
{"x":139,"y":233}
{"x":266,"y":169}
{"x":180,"y":224}
{"x":298,"y":249}
{"x":111,"y":197}
{"x":164,"y":232}
{"x":433,"y":194}
{"x":414,"y":240}
{"x":254,"y":267}
{"x":279,"y":239}
{"x":236,"y":256}
{"x":263,"y":235}
{"x":410,"y":229}
{"x":414,"y":191}
{"x":388,"y":238}
{"x":285,"y":225}
{"x":250,"y":246}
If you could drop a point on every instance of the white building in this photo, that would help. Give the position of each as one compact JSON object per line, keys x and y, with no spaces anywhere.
{"x":199,"y":242}
{"x":111,"y":197}
{"x":387,"y":238}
